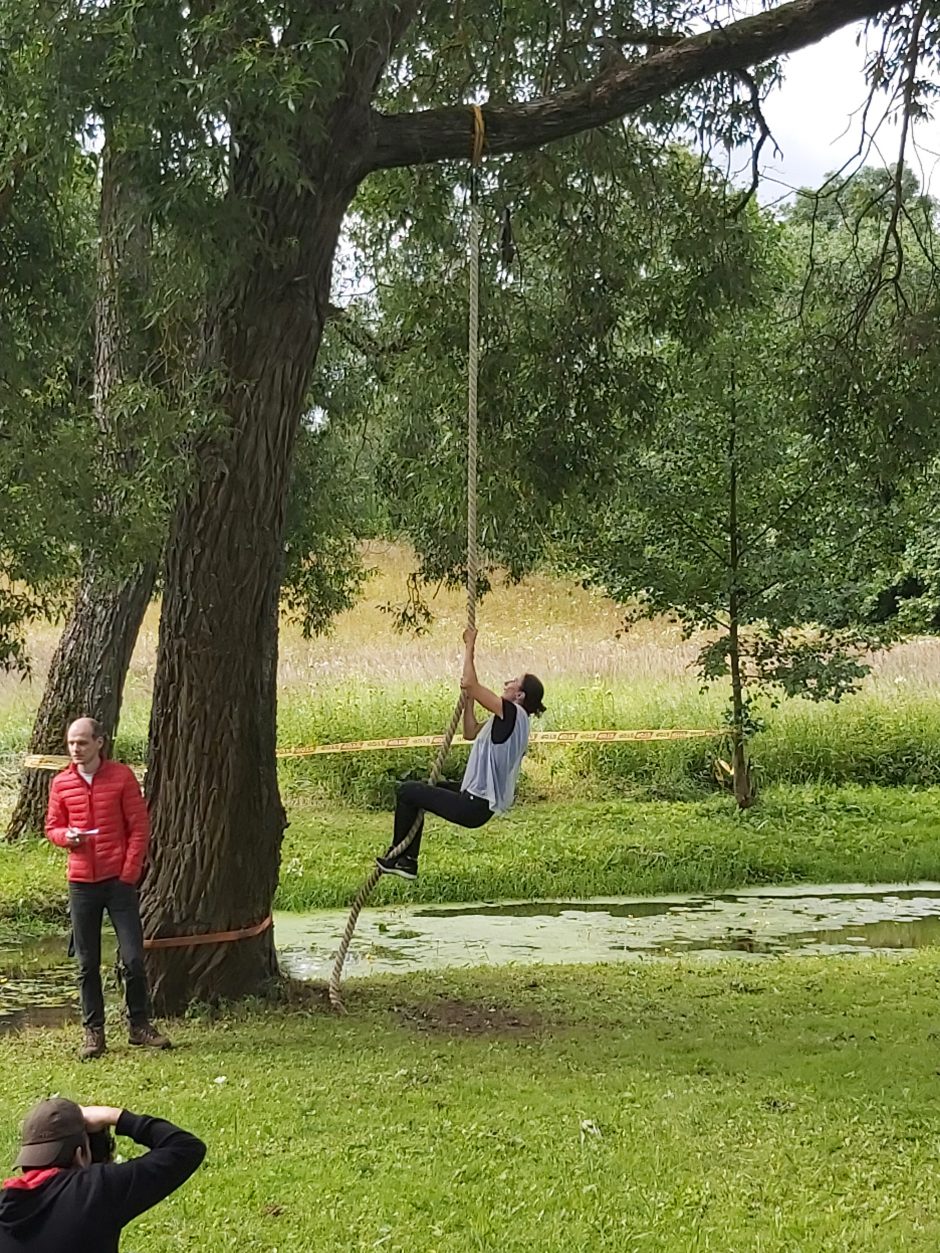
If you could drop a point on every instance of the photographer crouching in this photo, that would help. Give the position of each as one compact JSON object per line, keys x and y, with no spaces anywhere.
{"x":72,"y":1197}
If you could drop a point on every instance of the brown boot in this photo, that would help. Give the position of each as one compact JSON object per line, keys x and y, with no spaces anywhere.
{"x":94,"y":1044}
{"x":145,"y":1035}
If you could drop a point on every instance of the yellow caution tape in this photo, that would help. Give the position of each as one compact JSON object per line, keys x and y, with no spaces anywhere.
{"x":41,"y":761}
{"x":38,"y":761}
{"x":537,"y":737}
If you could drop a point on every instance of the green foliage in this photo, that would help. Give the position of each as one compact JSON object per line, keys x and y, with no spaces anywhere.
{"x":106,"y":484}
{"x":332,"y":503}
{"x":323,"y":570}
{"x":608,"y":262}
{"x":736,"y":517}
{"x":866,"y":198}
{"x":686,"y":333}
{"x":869,"y":304}
{"x":487,"y":50}
{"x":46,"y":464}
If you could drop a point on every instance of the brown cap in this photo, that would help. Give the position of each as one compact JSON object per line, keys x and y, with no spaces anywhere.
{"x":48,"y":1128}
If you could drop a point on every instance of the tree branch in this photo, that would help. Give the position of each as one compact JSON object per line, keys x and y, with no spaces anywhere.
{"x":362,"y":339}
{"x":892,"y":235}
{"x":438,"y":134}
{"x":763,"y":131}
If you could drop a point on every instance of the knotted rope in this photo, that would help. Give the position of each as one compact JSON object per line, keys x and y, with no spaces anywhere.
{"x":473,"y":366}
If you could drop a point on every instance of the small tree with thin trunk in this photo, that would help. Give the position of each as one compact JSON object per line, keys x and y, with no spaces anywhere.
{"x":740,"y":520}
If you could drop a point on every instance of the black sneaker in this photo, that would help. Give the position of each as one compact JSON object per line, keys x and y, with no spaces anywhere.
{"x":404,"y":867}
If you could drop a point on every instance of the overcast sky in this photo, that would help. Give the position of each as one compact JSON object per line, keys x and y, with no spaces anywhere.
{"x":816,"y":119}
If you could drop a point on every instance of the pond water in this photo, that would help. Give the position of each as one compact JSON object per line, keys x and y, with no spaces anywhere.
{"x":37,"y":982}
{"x":37,"y":979}
{"x":836,"y":918}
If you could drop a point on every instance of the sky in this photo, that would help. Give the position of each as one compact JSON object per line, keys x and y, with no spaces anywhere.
{"x":815,"y":117}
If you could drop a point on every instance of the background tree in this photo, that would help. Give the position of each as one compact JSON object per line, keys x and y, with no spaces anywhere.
{"x":93,"y":653}
{"x":46,"y":211}
{"x":126,"y":383}
{"x":742,"y":518}
{"x":870,"y":312}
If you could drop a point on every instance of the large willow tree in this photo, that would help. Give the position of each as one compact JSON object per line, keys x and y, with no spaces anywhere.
{"x":308,"y":100}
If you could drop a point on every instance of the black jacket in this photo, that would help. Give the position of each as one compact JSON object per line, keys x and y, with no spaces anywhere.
{"x":82,"y":1210}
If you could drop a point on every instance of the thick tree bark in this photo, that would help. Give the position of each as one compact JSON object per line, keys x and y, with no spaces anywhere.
{"x":217,"y":817}
{"x":212,"y":781}
{"x":90,"y":663}
{"x":86,"y":676}
{"x":438,"y":134}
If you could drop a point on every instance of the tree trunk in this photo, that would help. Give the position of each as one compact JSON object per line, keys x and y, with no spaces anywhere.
{"x":90,"y":663}
{"x":86,"y":676}
{"x":212,"y":780}
{"x":740,"y":768}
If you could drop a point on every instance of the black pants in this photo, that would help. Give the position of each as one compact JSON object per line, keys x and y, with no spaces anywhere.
{"x":443,"y":799}
{"x":87,"y":903}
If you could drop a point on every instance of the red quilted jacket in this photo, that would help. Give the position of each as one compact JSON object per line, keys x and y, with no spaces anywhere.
{"x":113,"y":803}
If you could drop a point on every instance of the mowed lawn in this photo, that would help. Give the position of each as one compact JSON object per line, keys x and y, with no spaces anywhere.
{"x":777,"y":1105}
{"x":786,"y":1105}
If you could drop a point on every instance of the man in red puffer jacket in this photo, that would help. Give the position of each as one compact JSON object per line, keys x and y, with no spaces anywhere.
{"x":96,"y":812}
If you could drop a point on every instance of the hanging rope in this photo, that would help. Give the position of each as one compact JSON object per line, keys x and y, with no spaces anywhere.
{"x":473,"y":365}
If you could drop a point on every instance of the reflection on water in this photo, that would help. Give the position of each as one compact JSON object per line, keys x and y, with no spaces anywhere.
{"x":37,"y":980}
{"x":556,"y":909}
{"x":39,"y":1016}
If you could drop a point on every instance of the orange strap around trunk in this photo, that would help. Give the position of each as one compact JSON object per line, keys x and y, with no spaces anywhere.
{"x":211,"y":937}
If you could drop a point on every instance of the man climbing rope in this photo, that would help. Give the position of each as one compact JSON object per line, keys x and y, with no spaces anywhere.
{"x":489,"y":781}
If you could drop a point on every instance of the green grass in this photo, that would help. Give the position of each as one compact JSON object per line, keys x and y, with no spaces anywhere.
{"x":32,"y":885}
{"x":782,"y":1106}
{"x":865,"y":740}
{"x":576,"y":850}
{"x":798,"y":834}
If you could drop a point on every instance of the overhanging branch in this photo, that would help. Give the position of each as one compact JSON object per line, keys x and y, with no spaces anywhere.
{"x":438,"y":134}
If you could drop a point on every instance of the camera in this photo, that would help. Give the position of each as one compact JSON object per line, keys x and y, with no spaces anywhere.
{"x":101,"y":1144}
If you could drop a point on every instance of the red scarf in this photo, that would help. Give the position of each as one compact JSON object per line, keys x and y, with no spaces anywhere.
{"x":31,"y":1178}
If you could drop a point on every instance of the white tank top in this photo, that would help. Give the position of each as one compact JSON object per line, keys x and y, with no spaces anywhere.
{"x":493,"y":769}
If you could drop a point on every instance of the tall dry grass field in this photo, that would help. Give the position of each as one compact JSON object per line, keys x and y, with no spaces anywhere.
{"x":367,"y":680}
{"x":554,"y":628}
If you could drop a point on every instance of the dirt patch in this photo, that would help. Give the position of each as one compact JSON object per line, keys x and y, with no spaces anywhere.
{"x":452,"y":1017}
